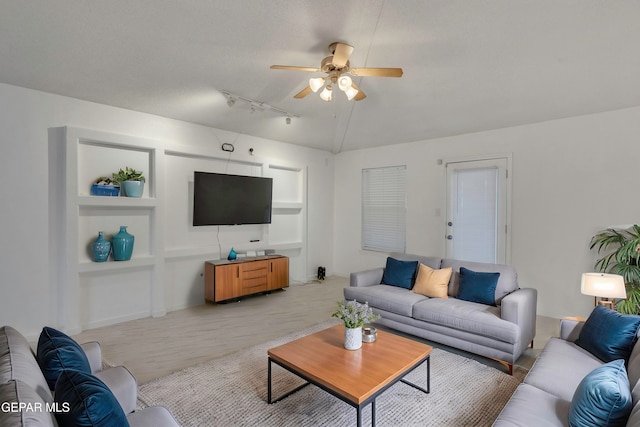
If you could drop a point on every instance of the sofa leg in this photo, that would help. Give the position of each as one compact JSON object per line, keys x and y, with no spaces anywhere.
{"x":531,"y":345}
{"x":507,"y":365}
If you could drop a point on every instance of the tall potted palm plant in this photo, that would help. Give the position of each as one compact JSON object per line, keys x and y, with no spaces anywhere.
{"x":621,"y":255}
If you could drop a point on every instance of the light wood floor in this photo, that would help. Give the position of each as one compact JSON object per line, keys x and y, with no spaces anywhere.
{"x":155,"y":347}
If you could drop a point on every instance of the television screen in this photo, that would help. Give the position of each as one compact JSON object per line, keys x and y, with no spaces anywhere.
{"x":221,"y":199}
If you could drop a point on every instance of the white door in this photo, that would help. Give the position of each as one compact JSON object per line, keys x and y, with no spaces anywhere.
{"x":477,"y":207}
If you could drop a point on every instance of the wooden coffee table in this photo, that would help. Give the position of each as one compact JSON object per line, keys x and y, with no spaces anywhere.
{"x":356,"y":377}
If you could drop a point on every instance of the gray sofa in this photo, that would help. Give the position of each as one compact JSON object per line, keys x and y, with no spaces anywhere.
{"x":28,"y":401}
{"x":500,"y":332}
{"x":545,"y":396}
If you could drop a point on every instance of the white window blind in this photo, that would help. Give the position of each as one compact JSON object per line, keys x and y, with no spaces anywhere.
{"x":384,"y":209}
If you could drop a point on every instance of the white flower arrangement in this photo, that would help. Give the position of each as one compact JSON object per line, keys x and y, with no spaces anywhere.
{"x":355,"y":314}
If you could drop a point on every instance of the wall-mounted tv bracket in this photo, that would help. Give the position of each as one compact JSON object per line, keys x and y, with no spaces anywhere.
{"x":228,"y":147}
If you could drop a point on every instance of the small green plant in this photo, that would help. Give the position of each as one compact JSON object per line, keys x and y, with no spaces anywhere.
{"x":128,"y":174}
{"x":355,"y":314}
{"x":621,"y":249}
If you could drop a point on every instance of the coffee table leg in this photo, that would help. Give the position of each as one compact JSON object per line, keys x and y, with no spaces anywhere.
{"x":269,"y":382}
{"x":373,"y":413}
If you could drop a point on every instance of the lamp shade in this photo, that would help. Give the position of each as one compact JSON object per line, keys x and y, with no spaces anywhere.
{"x":344,"y":83}
{"x":603,"y":285}
{"x":326,"y":94}
{"x":316,"y":83}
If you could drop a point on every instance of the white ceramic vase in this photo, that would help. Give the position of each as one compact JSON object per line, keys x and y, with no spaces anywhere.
{"x":352,"y":338}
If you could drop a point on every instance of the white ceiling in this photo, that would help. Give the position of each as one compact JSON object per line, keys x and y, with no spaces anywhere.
{"x":469,"y":65}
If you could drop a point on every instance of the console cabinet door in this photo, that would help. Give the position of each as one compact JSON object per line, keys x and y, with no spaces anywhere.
{"x":227,"y":282}
{"x":278,"y":274}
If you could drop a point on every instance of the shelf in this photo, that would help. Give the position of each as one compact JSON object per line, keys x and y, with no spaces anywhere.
{"x":286,"y":245}
{"x":113,"y":266}
{"x":116,"y":202}
{"x":287,"y":205}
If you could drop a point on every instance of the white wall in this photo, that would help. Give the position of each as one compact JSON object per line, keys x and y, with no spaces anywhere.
{"x":571,"y":178}
{"x":27,"y":296}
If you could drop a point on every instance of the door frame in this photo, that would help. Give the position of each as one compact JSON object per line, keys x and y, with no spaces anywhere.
{"x":509,"y":179}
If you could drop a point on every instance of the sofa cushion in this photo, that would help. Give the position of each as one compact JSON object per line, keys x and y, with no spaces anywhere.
{"x":17,"y":362}
{"x":399,"y":273}
{"x":33,"y":415}
{"x":57,"y":351}
{"x":432,"y":283}
{"x":608,"y":334}
{"x":90,"y":401}
{"x":477,"y":286}
{"x":507,"y":283}
{"x":389,"y":298}
{"x":560,"y":367}
{"x":478,"y":319}
{"x":529,"y":406}
{"x":603,"y":397}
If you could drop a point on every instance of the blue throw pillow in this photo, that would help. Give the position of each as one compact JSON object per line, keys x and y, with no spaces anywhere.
{"x":89,"y":402}
{"x":399,"y":273}
{"x":57,"y":351}
{"x":603,"y":397}
{"x":477,"y":287}
{"x":609,"y":335}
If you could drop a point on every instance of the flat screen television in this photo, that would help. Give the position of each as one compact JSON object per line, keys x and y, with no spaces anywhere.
{"x":222,"y":199}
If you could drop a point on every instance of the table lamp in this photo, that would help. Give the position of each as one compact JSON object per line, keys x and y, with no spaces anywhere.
{"x":605,"y":286}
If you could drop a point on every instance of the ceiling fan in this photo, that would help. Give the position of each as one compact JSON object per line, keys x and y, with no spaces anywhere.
{"x":338,"y":71}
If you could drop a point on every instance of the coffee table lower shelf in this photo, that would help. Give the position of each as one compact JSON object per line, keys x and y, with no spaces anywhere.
{"x":357,"y":406}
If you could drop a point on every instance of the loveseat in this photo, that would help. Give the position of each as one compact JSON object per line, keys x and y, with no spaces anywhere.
{"x":589,"y":376}
{"x":500,"y":326}
{"x":97,"y":397}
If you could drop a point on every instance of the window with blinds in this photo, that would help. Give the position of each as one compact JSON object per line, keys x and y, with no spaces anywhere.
{"x":384,"y":208}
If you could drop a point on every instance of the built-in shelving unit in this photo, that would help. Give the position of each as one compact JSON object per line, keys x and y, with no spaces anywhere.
{"x":165,"y":271}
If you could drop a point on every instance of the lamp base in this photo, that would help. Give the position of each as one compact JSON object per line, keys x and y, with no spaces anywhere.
{"x":606,"y":302}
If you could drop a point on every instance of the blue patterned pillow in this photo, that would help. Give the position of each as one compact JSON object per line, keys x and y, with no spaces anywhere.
{"x":399,"y":273}
{"x":478,"y":287}
{"x":89,"y":400}
{"x":603,"y":397}
{"x":609,"y":335}
{"x":57,"y":351}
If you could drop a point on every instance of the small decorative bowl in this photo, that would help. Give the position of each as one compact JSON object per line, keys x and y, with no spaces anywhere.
{"x":369,"y":334}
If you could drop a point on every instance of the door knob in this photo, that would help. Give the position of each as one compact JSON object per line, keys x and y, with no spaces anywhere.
{"x":449,"y":237}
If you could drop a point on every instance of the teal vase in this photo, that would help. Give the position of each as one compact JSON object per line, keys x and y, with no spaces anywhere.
{"x":232,"y":255}
{"x":101,"y":248}
{"x":122,"y":245}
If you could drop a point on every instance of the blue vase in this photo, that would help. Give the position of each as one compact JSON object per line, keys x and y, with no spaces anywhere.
{"x":232,"y":255}
{"x":122,"y":245}
{"x":101,"y":248}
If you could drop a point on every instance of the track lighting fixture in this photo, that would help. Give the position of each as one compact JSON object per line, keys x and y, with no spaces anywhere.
{"x":255,"y":105}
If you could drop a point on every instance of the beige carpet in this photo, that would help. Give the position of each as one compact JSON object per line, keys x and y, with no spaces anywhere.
{"x":232,"y":391}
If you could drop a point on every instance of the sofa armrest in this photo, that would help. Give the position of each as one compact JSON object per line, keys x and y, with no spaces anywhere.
{"x":520,"y":307}
{"x":122,"y":384}
{"x":570,"y":329}
{"x":94,"y":354}
{"x":366,"y":278}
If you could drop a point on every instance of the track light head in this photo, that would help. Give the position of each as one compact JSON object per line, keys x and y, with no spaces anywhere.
{"x":288,"y":120}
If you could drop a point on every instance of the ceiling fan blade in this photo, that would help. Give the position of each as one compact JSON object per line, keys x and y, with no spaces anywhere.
{"x":377,"y":72}
{"x":341,"y":54}
{"x":304,"y":92}
{"x":294,"y":68}
{"x":360,"y":95}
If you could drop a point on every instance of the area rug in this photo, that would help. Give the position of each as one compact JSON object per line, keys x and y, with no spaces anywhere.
{"x":232,"y":391}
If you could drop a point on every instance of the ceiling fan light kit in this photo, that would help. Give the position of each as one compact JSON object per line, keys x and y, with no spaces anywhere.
{"x":338,"y":69}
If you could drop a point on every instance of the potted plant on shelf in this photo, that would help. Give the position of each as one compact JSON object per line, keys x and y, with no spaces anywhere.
{"x":104,"y":186}
{"x":354,"y":315}
{"x":132,"y":181}
{"x":622,"y":256}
